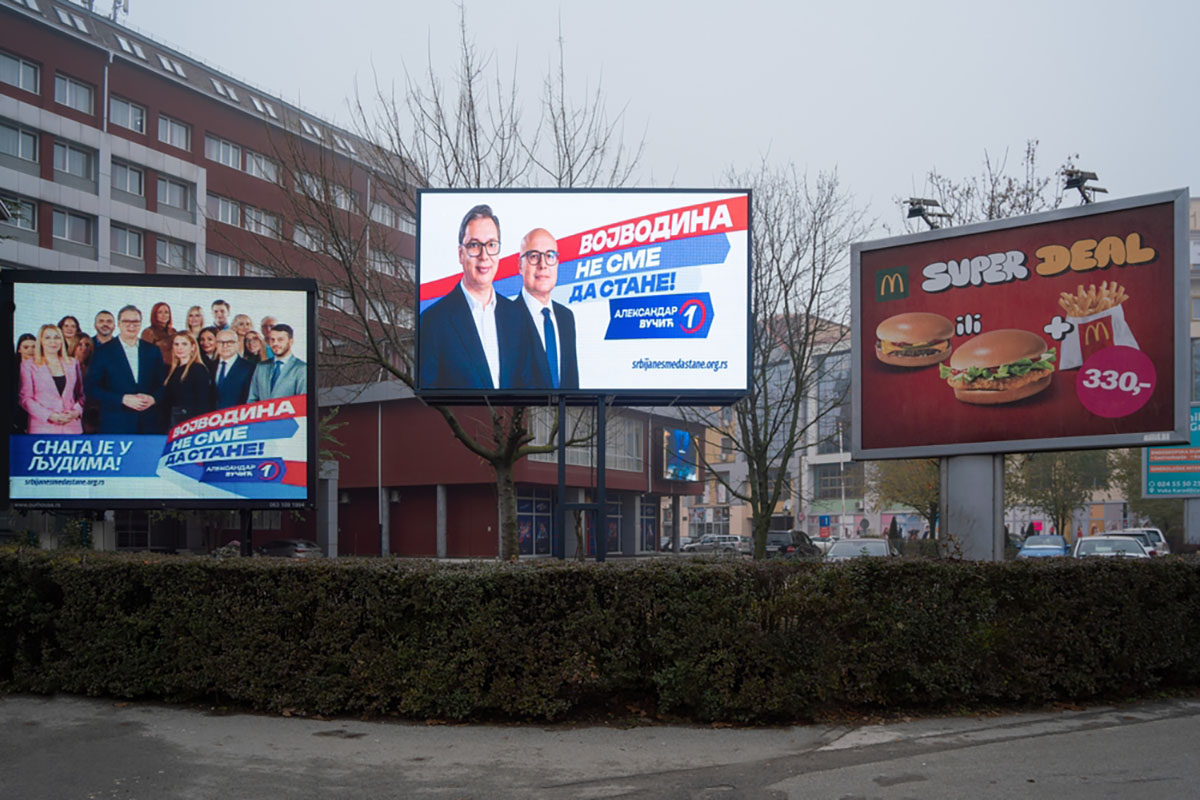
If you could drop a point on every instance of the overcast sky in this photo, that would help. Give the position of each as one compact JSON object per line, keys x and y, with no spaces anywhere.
{"x":880,"y":91}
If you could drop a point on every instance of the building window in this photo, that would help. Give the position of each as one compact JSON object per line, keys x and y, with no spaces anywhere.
{"x":261,"y":222}
{"x":71,"y":20}
{"x":224,"y":89}
{"x":173,"y":254}
{"x":833,"y":404}
{"x":261,"y":167}
{"x":334,"y":298}
{"x":125,"y":242}
{"x":133,"y":48}
{"x":264,"y":107}
{"x":175,"y":133}
{"x":18,"y":142}
{"x":310,"y":129}
{"x":1196,"y":309}
{"x":535,"y":520}
{"x":32,"y":5}
{"x":828,"y":480}
{"x":342,"y":143}
{"x":173,"y":193}
{"x":219,"y":264}
{"x":171,"y":65}
{"x":72,"y":227}
{"x":73,"y":160}
{"x":19,"y":73}
{"x":127,"y":114}
{"x":257,"y":271}
{"x":23,"y":213}
{"x":128,"y":178}
{"x":308,"y":238}
{"x":72,"y":93}
{"x":222,"y":152}
{"x":222,"y":209}
{"x":624,"y":443}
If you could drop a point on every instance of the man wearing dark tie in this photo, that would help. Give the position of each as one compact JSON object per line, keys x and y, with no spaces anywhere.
{"x":231,"y":373}
{"x":126,"y":379}
{"x":554,"y":322}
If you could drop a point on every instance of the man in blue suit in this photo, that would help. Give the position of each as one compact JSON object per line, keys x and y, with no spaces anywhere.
{"x":126,"y":379}
{"x":553,"y":322}
{"x":474,"y":338}
{"x":231,"y":373}
{"x":283,"y":376}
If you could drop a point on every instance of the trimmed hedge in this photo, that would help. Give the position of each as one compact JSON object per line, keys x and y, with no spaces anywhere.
{"x":722,"y":639}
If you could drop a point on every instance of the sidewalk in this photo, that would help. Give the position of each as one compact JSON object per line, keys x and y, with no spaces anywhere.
{"x":70,"y":747}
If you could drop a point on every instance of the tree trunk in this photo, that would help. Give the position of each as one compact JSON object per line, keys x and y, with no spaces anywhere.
{"x":506,"y":497}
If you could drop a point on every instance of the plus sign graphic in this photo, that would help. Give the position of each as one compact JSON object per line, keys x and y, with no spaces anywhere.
{"x":1058,"y":328}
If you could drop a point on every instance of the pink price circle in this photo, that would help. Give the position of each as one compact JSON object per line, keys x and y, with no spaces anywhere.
{"x":1115,"y":382}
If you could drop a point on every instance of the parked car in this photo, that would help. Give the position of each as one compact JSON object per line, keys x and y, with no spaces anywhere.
{"x":847,"y":549}
{"x":1156,"y":539}
{"x":824,"y":543}
{"x":1110,"y":546}
{"x":791,"y":544}
{"x":718,"y":543}
{"x":1142,"y":537}
{"x":1043,"y":545}
{"x":291,"y":548}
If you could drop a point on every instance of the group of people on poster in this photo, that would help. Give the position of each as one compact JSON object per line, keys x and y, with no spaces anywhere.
{"x":475,"y":338}
{"x":141,"y":375}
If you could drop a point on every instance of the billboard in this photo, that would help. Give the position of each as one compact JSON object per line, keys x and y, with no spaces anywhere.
{"x":131,"y":391}
{"x":642,"y":295}
{"x":1173,"y":472}
{"x":681,"y":455}
{"x":1066,"y":329}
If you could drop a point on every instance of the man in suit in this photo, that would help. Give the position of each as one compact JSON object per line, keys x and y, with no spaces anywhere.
{"x":474,"y":338}
{"x":283,"y":376}
{"x":220,"y":311}
{"x":105,"y":325}
{"x":553,"y":322}
{"x":126,"y":378}
{"x":231,"y":374}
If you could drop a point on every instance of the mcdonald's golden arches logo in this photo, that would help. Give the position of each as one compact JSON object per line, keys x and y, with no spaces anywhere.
{"x":891,"y":284}
{"x":1097,"y":330}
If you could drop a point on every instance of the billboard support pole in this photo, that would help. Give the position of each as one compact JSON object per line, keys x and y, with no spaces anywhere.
{"x":601,"y":489}
{"x":247,"y":531}
{"x":559,"y":542}
{"x":971,"y":516}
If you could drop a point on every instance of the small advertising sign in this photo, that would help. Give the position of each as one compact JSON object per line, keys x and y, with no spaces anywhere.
{"x":1059,"y":330}
{"x":1173,"y":471}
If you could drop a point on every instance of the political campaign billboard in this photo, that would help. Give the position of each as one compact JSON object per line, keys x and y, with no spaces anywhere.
{"x":132,"y":391}
{"x":641,"y":295}
{"x":1061,"y":330}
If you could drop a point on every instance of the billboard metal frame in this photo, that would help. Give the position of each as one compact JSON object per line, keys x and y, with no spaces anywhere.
{"x":1181,"y":366}
{"x":615,"y":395}
{"x":7,"y":308}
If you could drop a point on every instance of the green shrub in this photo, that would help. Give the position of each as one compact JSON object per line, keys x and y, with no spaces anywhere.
{"x":708,"y":640}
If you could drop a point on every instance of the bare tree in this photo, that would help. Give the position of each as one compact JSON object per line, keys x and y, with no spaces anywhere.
{"x":801,"y":235}
{"x":468,"y":134}
{"x":914,"y":483}
{"x":996,"y":193}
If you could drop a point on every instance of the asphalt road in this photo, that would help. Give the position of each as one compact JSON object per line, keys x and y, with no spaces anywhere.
{"x":63,"y":748}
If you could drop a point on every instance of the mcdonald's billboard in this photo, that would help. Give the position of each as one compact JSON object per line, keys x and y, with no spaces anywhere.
{"x":1061,"y":330}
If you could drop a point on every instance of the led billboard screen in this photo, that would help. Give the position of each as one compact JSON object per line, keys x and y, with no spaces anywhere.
{"x":1060,"y":330}
{"x":642,"y":295}
{"x":680,"y":455}
{"x":160,"y":391}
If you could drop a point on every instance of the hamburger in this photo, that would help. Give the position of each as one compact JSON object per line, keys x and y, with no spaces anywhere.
{"x":999,"y":367}
{"x":914,"y":339}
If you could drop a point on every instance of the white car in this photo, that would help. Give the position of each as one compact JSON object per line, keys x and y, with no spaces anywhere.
{"x":1109,"y":547}
{"x":1156,"y":538}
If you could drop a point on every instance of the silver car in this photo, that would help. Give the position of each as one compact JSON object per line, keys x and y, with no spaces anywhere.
{"x":1142,"y":537}
{"x":1156,"y":538}
{"x":1109,"y":547}
{"x":717,"y":543}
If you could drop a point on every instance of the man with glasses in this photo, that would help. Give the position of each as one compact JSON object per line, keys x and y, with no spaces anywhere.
{"x":553,"y":322}
{"x":126,"y":378}
{"x":231,"y":373}
{"x":474,"y":338}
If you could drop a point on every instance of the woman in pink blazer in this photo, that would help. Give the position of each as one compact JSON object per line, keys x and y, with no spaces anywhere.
{"x":48,"y":382}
